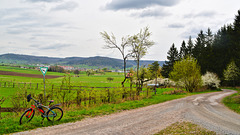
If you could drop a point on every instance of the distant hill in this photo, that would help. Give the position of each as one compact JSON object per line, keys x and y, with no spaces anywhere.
{"x":90,"y":61}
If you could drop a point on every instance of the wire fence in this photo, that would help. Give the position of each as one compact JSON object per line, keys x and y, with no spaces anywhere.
{"x":70,"y":95}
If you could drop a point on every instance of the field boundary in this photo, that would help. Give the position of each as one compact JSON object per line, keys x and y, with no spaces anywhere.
{"x":27,"y":75}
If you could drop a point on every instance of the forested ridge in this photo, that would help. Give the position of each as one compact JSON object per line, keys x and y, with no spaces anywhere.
{"x":90,"y":61}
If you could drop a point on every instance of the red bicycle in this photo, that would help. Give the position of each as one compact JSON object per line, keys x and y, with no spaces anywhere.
{"x":52,"y":113}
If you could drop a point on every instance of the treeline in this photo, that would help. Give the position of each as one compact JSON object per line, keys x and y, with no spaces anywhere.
{"x":56,"y":69}
{"x":213,"y":52}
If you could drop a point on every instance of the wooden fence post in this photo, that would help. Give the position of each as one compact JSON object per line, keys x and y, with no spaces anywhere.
{"x":108,"y":96}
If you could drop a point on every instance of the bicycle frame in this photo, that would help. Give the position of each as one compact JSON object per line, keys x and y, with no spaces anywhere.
{"x":44,"y":111}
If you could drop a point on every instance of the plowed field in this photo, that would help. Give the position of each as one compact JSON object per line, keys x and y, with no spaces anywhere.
{"x":27,"y":75}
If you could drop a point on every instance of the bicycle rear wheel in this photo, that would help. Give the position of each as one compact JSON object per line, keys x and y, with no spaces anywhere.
{"x":27,"y":116}
{"x":54,"y":114}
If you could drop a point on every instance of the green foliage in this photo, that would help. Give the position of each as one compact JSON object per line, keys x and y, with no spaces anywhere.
{"x":76,"y":72}
{"x":110,"y":79}
{"x":231,"y":73}
{"x":187,"y":73}
{"x":56,"y":69}
{"x":154,"y":69}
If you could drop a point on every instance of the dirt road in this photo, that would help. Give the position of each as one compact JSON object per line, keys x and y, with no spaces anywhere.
{"x":204,"y":109}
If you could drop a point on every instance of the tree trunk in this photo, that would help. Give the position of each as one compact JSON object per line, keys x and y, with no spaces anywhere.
{"x":124,"y":69}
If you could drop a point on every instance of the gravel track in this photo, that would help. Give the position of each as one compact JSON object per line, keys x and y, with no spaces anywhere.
{"x":204,"y":109}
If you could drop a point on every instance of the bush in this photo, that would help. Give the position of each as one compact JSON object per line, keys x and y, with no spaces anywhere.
{"x":211,"y":80}
{"x":110,"y":79}
{"x":187,"y":74}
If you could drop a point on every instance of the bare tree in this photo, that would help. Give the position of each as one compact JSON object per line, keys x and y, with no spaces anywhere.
{"x":140,"y":43}
{"x":112,"y":43}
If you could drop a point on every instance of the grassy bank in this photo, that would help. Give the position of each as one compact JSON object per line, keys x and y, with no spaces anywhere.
{"x":233,"y":101}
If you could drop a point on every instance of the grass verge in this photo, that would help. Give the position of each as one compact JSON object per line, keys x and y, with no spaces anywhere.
{"x":185,"y":128}
{"x":233,"y":101}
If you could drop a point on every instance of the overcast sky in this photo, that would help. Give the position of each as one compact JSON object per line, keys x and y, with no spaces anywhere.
{"x":67,"y":28}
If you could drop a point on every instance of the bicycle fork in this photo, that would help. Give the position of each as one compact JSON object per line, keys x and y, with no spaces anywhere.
{"x":29,"y":114}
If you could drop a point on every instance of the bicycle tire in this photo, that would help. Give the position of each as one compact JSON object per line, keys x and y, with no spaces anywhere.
{"x":29,"y":113}
{"x":54,"y":114}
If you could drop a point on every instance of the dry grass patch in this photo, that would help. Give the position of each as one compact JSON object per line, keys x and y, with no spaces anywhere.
{"x":185,"y":128}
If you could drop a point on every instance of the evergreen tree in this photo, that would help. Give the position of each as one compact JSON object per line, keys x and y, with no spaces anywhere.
{"x":190,"y":46}
{"x":209,"y":38}
{"x":236,"y":38}
{"x":199,"y":51}
{"x":199,"y":46}
{"x":172,"y":57}
{"x":183,"y":50}
{"x":222,"y":50}
{"x":207,"y":52}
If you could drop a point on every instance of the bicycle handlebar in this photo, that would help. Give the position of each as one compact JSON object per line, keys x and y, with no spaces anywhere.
{"x":29,"y":97}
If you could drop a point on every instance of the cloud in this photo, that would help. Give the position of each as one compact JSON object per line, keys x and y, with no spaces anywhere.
{"x":57,"y":46}
{"x":154,"y":12}
{"x":34,"y":1}
{"x":193,"y":32}
{"x":176,"y":25}
{"x":138,"y":4}
{"x":69,"y":6}
{"x":208,"y":14}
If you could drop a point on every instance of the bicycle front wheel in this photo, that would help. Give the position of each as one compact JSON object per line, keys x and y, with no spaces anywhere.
{"x":54,"y":114}
{"x":27,"y":116}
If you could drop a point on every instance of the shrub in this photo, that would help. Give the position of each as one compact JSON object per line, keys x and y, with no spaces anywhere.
{"x":211,"y":80}
{"x":187,"y":74}
{"x":110,"y":79}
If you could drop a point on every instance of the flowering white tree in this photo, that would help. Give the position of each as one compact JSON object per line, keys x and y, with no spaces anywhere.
{"x":211,"y":80}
